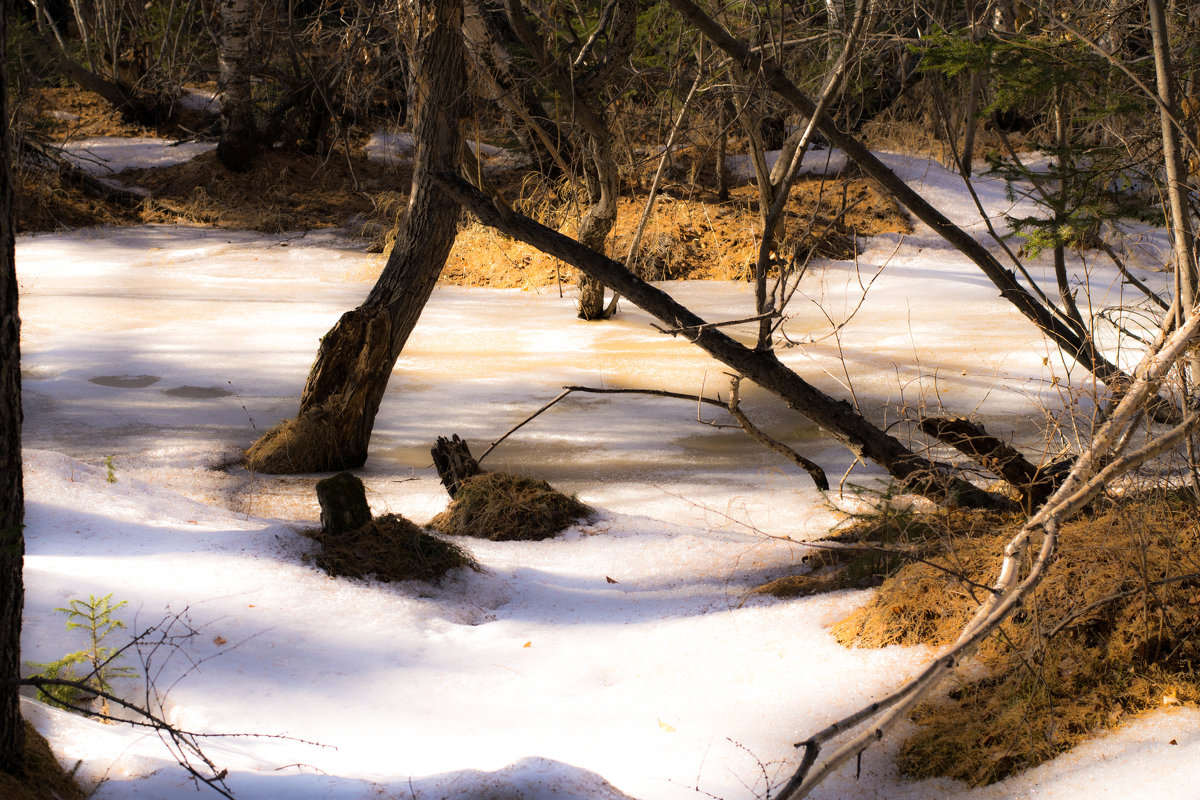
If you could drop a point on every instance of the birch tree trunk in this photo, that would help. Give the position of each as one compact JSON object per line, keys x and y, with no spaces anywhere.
{"x":239,"y":135}
{"x":1182,"y":237}
{"x":12,"y":502}
{"x":355,"y":359}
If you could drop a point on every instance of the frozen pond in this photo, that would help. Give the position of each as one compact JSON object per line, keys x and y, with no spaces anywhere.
{"x":182,"y":344}
{"x":626,"y":650}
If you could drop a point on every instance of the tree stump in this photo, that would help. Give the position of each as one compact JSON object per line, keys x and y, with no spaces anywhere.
{"x":454,"y":463}
{"x":343,"y":500}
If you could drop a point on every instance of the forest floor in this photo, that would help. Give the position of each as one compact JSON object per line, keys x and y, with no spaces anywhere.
{"x":690,"y":234}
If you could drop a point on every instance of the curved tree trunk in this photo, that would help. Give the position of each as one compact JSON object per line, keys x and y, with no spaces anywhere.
{"x":12,"y":504}
{"x":355,"y":359}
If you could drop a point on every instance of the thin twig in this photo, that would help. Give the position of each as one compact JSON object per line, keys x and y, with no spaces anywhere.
{"x":811,"y":467}
{"x":522,"y":423}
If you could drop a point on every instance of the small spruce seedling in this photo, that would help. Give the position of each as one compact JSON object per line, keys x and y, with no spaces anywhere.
{"x":95,"y":617}
{"x":111,"y":477}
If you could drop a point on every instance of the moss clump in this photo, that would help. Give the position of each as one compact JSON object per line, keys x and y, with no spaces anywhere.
{"x":40,"y":776}
{"x":1113,"y":630}
{"x":504,"y":507}
{"x":389,"y":548}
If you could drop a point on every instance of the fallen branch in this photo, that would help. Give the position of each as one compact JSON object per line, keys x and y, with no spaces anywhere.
{"x":937,"y":482}
{"x":183,"y":740}
{"x":811,"y":467}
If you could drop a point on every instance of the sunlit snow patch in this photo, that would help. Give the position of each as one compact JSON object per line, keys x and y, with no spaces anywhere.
{"x":108,"y":155}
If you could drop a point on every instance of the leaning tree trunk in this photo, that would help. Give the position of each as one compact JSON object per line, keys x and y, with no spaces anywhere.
{"x":239,"y":135}
{"x":12,"y":503}
{"x":858,"y":434}
{"x":355,"y":359}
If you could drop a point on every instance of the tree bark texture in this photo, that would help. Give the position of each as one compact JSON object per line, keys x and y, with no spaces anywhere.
{"x":837,"y":417}
{"x":355,"y":359}
{"x":239,"y":134}
{"x":1181,"y":218}
{"x":454,"y":463}
{"x":598,"y":221}
{"x":12,"y":497}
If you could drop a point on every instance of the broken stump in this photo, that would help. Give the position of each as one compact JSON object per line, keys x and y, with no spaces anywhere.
{"x":454,"y":463}
{"x":343,"y":500}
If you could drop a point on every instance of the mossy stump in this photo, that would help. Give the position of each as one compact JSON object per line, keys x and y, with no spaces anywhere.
{"x":504,"y":507}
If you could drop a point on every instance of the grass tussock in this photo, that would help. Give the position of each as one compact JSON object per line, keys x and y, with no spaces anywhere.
{"x":1114,"y":630}
{"x":295,"y":446}
{"x":41,"y":776}
{"x":389,"y":548}
{"x":504,"y":507}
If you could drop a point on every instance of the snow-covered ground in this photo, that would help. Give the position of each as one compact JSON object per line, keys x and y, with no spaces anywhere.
{"x":623,"y":657}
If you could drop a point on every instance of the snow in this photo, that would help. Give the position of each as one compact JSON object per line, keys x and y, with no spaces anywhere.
{"x":623,"y":658}
{"x":396,"y":147}
{"x":108,"y":155}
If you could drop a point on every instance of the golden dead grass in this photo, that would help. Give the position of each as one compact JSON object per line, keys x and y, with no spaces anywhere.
{"x":1113,"y":631}
{"x":695,"y":237}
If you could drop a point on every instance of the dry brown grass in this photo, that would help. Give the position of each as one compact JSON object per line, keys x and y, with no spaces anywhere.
{"x":1113,"y":631}
{"x":305,"y":443}
{"x":284,"y":191}
{"x":688,"y":237}
{"x":389,"y":548}
{"x":503,"y":508}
